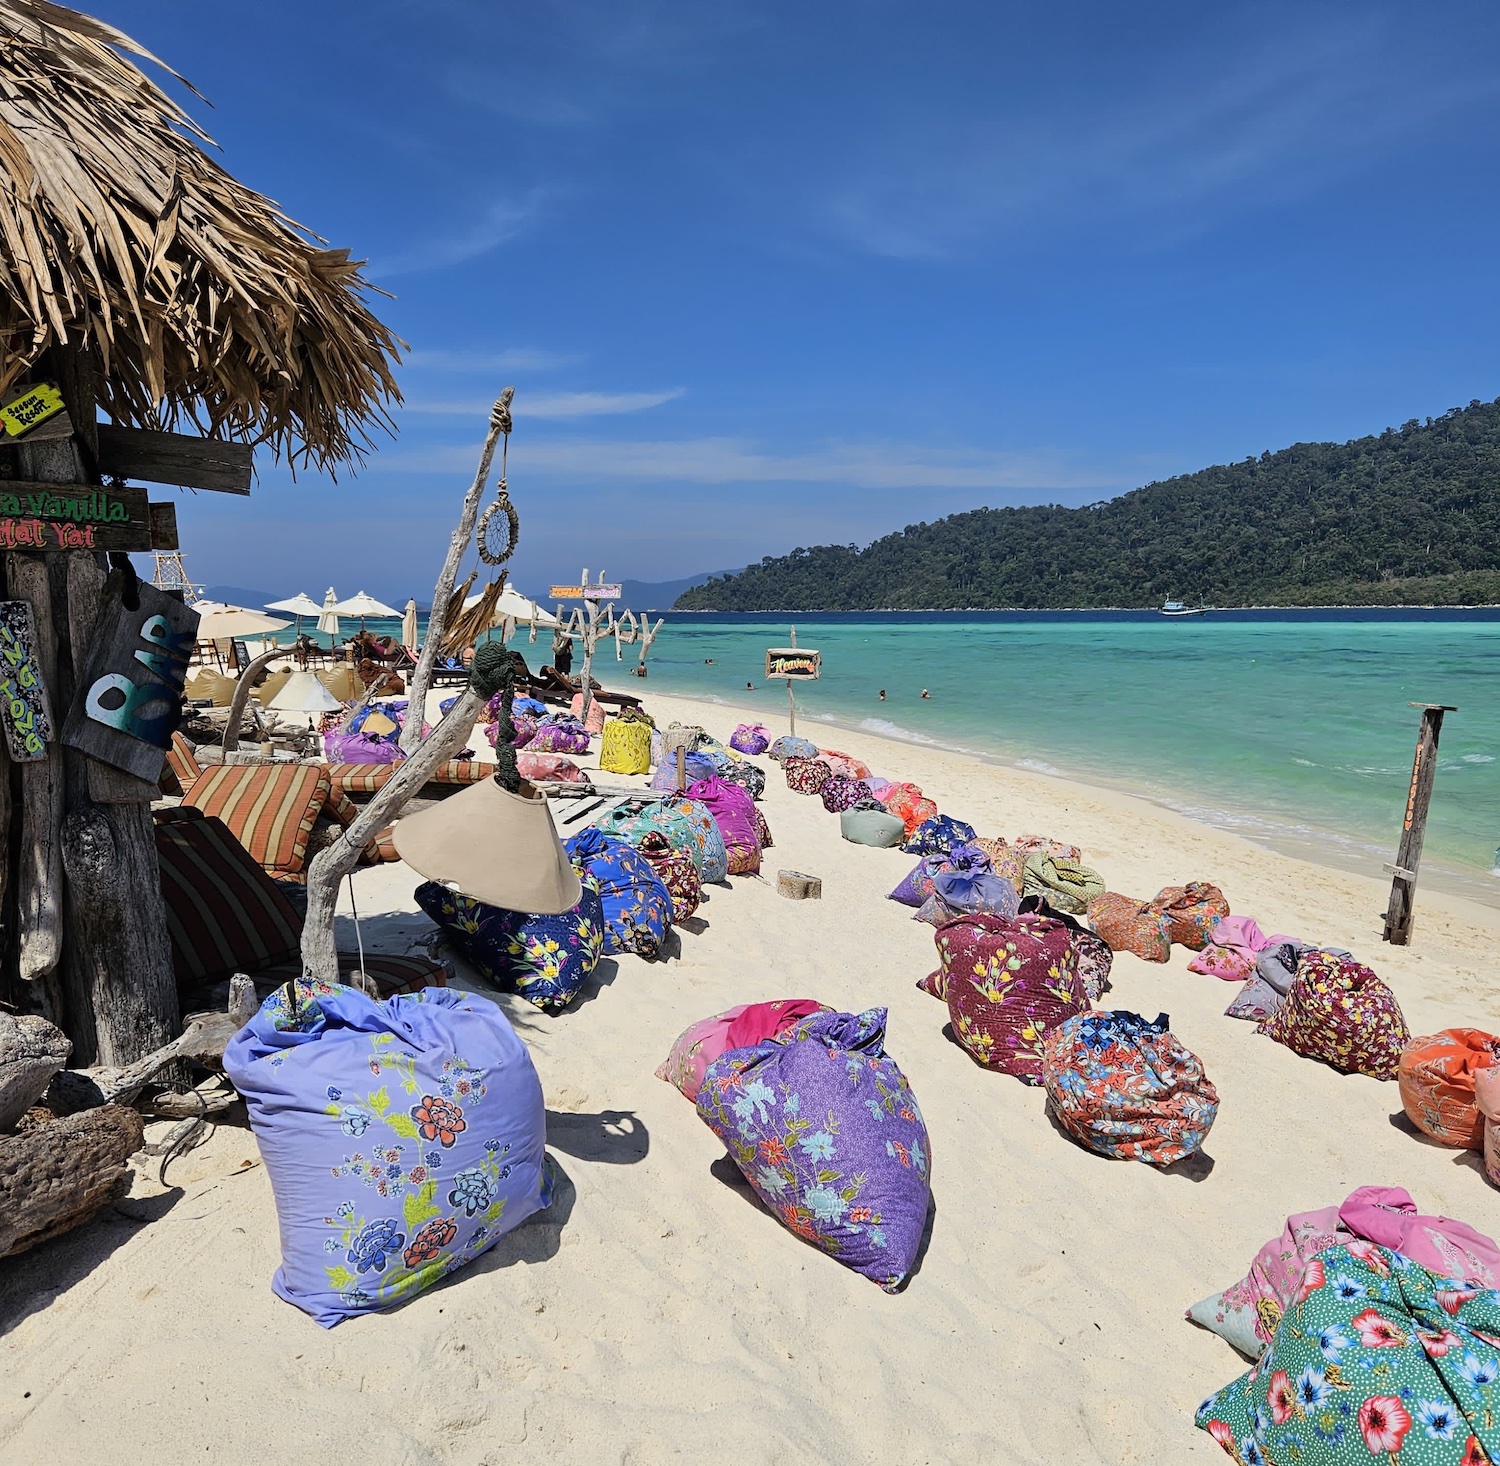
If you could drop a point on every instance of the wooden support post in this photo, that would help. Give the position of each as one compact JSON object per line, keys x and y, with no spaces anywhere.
{"x":648,"y":635}
{"x":330,"y":866}
{"x":590,"y":639}
{"x":791,"y":697}
{"x":242,"y":690}
{"x":681,"y":768}
{"x":420,"y":682}
{"x":1398,"y":916}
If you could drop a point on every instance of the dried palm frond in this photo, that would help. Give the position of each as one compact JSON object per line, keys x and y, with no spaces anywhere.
{"x":196,"y":297}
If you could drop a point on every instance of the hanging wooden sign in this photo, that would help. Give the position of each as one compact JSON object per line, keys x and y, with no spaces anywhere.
{"x":50,"y":517}
{"x":793,"y":663}
{"x":24,"y":707}
{"x":129,"y":697}
{"x":31,"y":407}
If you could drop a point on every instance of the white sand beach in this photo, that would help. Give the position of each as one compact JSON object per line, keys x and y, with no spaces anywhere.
{"x":659,"y":1314}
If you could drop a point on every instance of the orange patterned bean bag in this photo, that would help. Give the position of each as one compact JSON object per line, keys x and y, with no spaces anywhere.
{"x":1436,"y":1076}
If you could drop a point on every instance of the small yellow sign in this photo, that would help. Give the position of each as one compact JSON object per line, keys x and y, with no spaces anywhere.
{"x":565,"y":593}
{"x":33,"y":406}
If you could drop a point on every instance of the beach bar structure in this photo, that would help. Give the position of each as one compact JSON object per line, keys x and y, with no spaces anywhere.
{"x":141,"y":282}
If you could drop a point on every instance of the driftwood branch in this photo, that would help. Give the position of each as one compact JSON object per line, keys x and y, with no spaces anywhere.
{"x":242,"y":691}
{"x":330,"y":866}
{"x":55,"y":1177}
{"x":421,"y":679}
{"x":31,"y":1052}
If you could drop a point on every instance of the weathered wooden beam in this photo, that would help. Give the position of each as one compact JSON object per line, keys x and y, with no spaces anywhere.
{"x":31,"y":1052}
{"x":55,"y":1177}
{"x":1399,"y":913}
{"x":163,"y":526}
{"x":175,"y":458}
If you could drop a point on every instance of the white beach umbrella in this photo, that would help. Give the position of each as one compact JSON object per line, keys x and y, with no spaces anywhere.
{"x":299,"y":605}
{"x":363,"y":605}
{"x":218,"y":622}
{"x":409,"y":626}
{"x":328,"y":616}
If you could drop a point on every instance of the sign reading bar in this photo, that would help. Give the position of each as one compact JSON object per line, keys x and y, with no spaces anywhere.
{"x":585,"y":593}
{"x":129,"y":696}
{"x":793,"y":663}
{"x":32,"y":407}
{"x":72,"y":517}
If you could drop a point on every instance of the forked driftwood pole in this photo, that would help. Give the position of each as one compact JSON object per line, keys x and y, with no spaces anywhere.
{"x":421,"y":679}
{"x":1399,"y":914}
{"x":330,"y":866}
{"x":648,"y":635}
{"x":241,"y":697}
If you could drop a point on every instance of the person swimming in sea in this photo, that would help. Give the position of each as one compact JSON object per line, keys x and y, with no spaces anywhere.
{"x":882,"y":694}
{"x":925,"y":693}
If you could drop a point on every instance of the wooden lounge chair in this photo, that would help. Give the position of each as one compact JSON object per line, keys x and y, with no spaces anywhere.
{"x":226,"y":915}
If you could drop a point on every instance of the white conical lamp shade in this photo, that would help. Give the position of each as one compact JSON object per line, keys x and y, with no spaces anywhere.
{"x":495,"y":846}
{"x":303,"y":693}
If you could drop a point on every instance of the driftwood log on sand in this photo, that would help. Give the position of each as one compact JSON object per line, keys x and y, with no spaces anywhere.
{"x":31,"y":1052}
{"x":55,"y":1177}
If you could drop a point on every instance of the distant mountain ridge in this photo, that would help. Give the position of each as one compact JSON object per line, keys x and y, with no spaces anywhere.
{"x":638,"y":595}
{"x":1410,"y":516}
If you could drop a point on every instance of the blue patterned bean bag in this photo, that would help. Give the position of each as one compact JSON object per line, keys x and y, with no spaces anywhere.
{"x":637,"y":906}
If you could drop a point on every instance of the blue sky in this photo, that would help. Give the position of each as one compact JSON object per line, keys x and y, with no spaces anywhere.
{"x":774,"y":274}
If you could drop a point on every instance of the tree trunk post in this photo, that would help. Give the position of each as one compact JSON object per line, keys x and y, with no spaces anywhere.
{"x":330,"y":866}
{"x":421,"y":678}
{"x":1399,"y":914}
{"x":242,"y":690}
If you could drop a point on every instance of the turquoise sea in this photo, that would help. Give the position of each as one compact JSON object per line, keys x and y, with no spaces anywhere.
{"x":1291,"y":727}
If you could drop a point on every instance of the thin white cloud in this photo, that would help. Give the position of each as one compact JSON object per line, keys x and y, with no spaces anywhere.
{"x":1166,"y":157}
{"x":556,"y":404}
{"x":513,"y":359}
{"x":500,"y":221}
{"x":736,"y":461}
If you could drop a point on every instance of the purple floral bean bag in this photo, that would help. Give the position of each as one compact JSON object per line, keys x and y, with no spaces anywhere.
{"x":559,"y":735}
{"x":841,"y":793}
{"x":750,"y":738}
{"x":827,"y":1131}
{"x":403,"y":1138}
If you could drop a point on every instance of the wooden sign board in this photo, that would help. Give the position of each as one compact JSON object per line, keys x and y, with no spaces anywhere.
{"x":30,"y":408}
{"x":793,"y":663}
{"x":175,"y":458}
{"x":163,"y":525}
{"x":25,"y":709}
{"x":129,"y":697}
{"x":50,"y":517}
{"x":585,"y":593}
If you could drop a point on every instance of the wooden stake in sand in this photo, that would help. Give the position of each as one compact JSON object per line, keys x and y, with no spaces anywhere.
{"x":1398,"y":916}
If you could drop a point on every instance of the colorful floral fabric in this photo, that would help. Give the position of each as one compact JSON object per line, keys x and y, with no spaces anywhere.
{"x":702,"y":1042}
{"x":1340,"y":1012}
{"x":750,"y":738}
{"x":750,"y":777}
{"x":708,"y":839}
{"x":827,"y":1131}
{"x":1006,"y":861}
{"x":637,"y":908}
{"x":841,"y":793}
{"x":1008,"y":983}
{"x":939,"y":834}
{"x":1231,"y":950}
{"x":966,"y":883}
{"x":790,"y":747}
{"x":689,"y":827}
{"x":917,"y":885}
{"x":1192,"y":912}
{"x":559,"y":734}
{"x":1095,"y":959}
{"x":625,"y":747}
{"x":805,"y":775}
{"x":908,"y":802}
{"x":763,"y":830}
{"x":1126,"y":1087}
{"x":1256,"y":1001}
{"x":1030,"y":845}
{"x":1132,"y":926}
{"x":695,"y":766}
{"x":403,"y":1138}
{"x":735,"y":814}
{"x":676,"y":871}
{"x":1377,"y":1360}
{"x":544,"y":959}
{"x":1437,"y":1074}
{"x":1064,"y":883}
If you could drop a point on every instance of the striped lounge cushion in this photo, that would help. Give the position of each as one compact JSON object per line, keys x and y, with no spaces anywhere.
{"x":224,"y":913}
{"x":462,"y":771}
{"x":360,"y":778}
{"x":182,"y":760}
{"x":269,"y":808}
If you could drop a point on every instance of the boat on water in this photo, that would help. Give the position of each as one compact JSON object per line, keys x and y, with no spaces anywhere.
{"x":1179,"y":608}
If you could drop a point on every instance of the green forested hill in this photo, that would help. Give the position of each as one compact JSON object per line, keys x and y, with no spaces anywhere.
{"x":1409,"y":517}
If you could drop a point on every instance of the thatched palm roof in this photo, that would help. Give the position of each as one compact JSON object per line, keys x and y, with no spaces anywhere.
{"x":195,"y":296}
